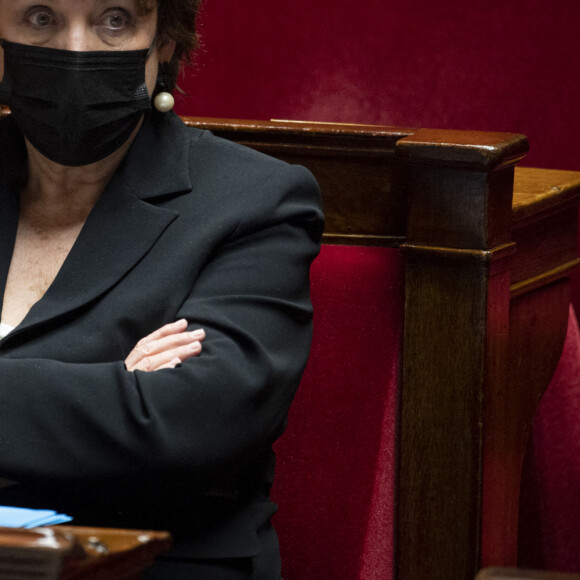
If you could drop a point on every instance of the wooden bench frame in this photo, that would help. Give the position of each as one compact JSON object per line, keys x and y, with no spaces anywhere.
{"x":486,"y":309}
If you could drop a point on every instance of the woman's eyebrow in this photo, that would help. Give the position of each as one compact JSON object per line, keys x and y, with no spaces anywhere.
{"x":25,"y":4}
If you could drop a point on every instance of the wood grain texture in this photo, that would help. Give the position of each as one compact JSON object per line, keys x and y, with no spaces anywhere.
{"x":544,"y":226}
{"x":455,"y":344}
{"x":473,"y":150}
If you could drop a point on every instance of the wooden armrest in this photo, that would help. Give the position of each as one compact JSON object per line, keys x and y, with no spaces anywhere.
{"x":354,"y":164}
{"x":544,"y":224}
{"x":112,"y":553}
{"x":72,"y":552}
{"x":519,"y":574}
{"x":37,"y":553}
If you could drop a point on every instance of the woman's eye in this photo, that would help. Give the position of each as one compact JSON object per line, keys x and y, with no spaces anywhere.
{"x":40,"y":18}
{"x":117,"y":20}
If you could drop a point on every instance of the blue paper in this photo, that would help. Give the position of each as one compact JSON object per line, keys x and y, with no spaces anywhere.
{"x":14,"y":517}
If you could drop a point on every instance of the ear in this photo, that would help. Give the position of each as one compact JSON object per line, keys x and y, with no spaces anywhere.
{"x":165,"y":50}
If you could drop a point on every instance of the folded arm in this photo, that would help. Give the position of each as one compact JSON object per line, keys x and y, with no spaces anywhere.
{"x":211,"y":413}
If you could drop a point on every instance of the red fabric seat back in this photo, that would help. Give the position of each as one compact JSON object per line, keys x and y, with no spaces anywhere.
{"x":336,"y":461}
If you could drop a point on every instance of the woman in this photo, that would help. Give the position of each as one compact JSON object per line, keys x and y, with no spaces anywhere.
{"x":128,"y":241}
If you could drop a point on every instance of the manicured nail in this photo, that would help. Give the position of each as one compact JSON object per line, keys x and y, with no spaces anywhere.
{"x":194,"y":347}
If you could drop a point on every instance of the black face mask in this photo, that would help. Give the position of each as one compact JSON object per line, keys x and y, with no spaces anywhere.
{"x":74,"y":107}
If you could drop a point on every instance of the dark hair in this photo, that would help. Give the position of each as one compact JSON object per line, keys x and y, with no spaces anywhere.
{"x":176,"y":21}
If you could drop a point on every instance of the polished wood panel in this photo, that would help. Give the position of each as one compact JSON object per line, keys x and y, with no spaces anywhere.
{"x":519,"y":574}
{"x":364,"y":199}
{"x":544,"y":226}
{"x":458,"y":252}
{"x":112,"y":553}
{"x":74,"y":553}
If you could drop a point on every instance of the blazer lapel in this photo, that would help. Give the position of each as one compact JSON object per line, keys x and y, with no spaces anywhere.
{"x":122,"y":226}
{"x":8,"y":227}
{"x":11,"y":170}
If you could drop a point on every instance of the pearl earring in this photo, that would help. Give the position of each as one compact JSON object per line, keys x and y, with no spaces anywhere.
{"x":164,"y":101}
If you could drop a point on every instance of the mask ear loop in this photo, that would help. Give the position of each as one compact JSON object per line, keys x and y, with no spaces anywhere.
{"x":5,"y":84}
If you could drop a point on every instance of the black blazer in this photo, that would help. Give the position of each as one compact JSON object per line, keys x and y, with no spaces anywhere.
{"x":190,"y":226}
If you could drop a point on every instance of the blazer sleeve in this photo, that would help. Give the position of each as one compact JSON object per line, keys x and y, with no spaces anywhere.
{"x":216,"y":412}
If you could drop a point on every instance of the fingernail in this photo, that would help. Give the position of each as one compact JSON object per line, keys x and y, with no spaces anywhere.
{"x":197,"y":334}
{"x":194,"y":347}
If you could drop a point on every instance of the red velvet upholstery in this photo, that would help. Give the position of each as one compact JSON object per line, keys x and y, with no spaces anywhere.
{"x":335,"y":472}
{"x":550,"y":501}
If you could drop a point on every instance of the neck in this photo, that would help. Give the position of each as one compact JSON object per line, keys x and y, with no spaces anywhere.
{"x":67,"y":193}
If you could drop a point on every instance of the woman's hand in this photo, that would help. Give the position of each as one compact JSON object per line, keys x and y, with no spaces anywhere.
{"x":165,"y":348}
